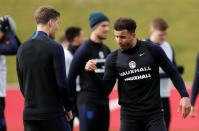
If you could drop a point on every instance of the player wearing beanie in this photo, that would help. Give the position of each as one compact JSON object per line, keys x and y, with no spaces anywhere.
{"x":93,"y":105}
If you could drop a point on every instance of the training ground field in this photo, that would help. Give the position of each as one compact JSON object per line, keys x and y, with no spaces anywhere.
{"x":182,"y":16}
{"x":14,"y":108}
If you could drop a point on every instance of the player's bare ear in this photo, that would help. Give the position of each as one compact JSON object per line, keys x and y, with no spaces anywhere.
{"x":50,"y":22}
{"x":133,"y":35}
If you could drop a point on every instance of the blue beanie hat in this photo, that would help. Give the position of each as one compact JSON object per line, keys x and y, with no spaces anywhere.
{"x":96,"y":18}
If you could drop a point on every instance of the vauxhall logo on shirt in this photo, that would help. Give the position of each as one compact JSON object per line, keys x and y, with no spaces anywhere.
{"x":134,"y":70}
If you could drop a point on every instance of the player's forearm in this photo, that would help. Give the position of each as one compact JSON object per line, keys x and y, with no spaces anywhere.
{"x":11,"y":48}
{"x":194,"y":93}
{"x":73,"y":73}
{"x":105,"y":85}
{"x":163,"y":75}
{"x":179,"y":84}
{"x":195,"y":89}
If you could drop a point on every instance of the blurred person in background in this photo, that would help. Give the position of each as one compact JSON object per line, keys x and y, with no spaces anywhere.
{"x":158,"y":35}
{"x":75,"y":38}
{"x":42,"y":76}
{"x":195,"y":89}
{"x":9,"y":44}
{"x":93,"y":105}
{"x":63,"y":41}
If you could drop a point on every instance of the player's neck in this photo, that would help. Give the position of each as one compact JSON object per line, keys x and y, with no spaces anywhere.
{"x":154,"y":40}
{"x":95,"y":39}
{"x":64,"y":44}
{"x":134,"y":43}
{"x":43,"y":28}
{"x":74,"y":43}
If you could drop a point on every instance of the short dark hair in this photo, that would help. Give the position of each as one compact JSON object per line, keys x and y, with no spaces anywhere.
{"x":72,"y":32}
{"x":45,"y":13}
{"x":159,"y":24}
{"x":123,"y":23}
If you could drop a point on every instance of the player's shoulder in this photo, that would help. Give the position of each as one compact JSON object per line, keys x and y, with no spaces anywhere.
{"x":151,"y":46}
{"x":149,"y":43}
{"x":82,"y":50}
{"x":165,"y":43}
{"x":24,"y":44}
{"x":112,"y":58}
{"x":54,"y":43}
{"x":84,"y":47}
{"x":113,"y":55}
{"x":105,"y":46}
{"x":67,"y":53}
{"x":197,"y":58}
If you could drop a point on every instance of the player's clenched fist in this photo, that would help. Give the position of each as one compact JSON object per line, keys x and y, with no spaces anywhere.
{"x":90,"y":65}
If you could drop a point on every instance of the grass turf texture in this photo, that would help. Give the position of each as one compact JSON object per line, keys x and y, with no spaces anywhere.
{"x":182,"y":16}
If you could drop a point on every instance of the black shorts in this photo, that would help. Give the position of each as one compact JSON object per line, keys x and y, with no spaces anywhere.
{"x":152,"y":123}
{"x":57,"y":124}
{"x":94,"y":117}
{"x":2,"y":115}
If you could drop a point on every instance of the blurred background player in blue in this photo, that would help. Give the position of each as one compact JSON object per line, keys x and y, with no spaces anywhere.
{"x":158,"y":35}
{"x":93,"y":105}
{"x":195,"y":89}
{"x":75,"y":38}
{"x":9,"y":44}
{"x":63,"y":41}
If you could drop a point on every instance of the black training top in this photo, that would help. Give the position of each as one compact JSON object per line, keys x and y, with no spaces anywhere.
{"x":42,"y":78}
{"x":137,"y":70}
{"x":195,"y":87}
{"x":90,"y":92}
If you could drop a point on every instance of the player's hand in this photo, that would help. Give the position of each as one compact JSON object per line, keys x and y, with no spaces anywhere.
{"x":185,"y":106}
{"x":5,"y":26}
{"x":69,"y":115}
{"x":1,"y":35}
{"x":193,"y":113}
{"x":90,"y":65}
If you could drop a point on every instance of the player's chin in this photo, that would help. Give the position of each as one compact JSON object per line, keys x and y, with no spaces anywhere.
{"x":121,"y":48}
{"x":105,"y":35}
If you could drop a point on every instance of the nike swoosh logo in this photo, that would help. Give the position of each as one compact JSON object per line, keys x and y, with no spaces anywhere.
{"x":141,"y":54}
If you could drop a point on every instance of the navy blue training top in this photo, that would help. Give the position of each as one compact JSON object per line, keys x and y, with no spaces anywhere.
{"x":137,"y":71}
{"x":42,"y":78}
{"x":90,"y":92}
{"x":11,"y":48}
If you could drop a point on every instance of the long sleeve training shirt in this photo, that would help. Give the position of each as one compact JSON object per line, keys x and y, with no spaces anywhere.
{"x":90,"y":92}
{"x":42,"y":78}
{"x":137,"y":71}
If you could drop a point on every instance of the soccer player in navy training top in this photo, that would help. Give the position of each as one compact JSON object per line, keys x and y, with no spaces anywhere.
{"x":136,"y":65}
{"x":42,"y":77}
{"x":75,"y":37}
{"x":93,"y":105}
